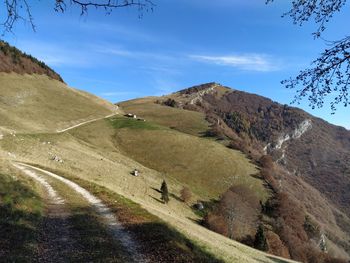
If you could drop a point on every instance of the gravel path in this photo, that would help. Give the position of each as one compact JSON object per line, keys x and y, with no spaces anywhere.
{"x":85,"y":122}
{"x":113,"y":225}
{"x":55,"y":238}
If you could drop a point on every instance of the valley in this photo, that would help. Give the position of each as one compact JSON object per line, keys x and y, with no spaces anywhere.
{"x":67,"y":183}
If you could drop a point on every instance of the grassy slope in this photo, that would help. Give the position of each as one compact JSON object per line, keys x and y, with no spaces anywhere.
{"x":36,"y":103}
{"x":89,"y":153}
{"x":196,"y":161}
{"x":159,"y":242}
{"x":206,"y":166}
{"x":182,"y":120}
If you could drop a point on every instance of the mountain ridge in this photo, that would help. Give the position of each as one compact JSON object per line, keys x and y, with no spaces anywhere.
{"x":14,"y":60}
{"x":312,"y":156}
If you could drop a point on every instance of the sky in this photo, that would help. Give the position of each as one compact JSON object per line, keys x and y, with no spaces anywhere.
{"x":245,"y":45}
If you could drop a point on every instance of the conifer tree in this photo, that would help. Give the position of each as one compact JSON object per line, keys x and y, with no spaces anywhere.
{"x":165,"y":192}
{"x":260,"y":239}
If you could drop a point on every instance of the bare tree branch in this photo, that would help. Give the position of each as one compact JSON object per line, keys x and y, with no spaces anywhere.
{"x":329,"y":75}
{"x":320,"y":10}
{"x":20,"y":9}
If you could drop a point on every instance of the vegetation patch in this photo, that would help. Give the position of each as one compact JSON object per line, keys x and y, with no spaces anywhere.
{"x":207,"y":167}
{"x":20,"y":216}
{"x":185,"y":121}
{"x":121,"y":122}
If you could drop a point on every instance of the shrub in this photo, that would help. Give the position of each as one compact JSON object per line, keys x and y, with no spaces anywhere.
{"x":170,"y":102}
{"x":186,"y":194}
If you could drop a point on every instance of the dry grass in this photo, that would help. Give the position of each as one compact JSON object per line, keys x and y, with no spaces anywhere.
{"x":36,"y":103}
{"x":207,"y":167}
{"x":91,"y":153}
{"x":182,"y":120}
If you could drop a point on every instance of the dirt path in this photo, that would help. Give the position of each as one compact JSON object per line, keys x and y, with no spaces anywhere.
{"x":109,"y":219}
{"x":55,"y":239}
{"x":85,"y":122}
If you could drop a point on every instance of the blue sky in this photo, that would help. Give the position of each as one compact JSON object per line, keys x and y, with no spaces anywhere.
{"x":241,"y":44}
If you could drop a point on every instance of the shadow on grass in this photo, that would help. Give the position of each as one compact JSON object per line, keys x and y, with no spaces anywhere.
{"x":210,"y":134}
{"x":277,"y":260}
{"x":18,"y":235}
{"x":196,"y":221}
{"x":175,"y":197}
{"x":157,"y":190}
{"x":157,"y":236}
{"x":19,"y":220}
{"x":158,"y":241}
{"x":158,"y":200}
{"x":96,"y":243}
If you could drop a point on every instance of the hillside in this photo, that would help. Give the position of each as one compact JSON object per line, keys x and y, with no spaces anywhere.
{"x":37,"y":103}
{"x":53,"y":136}
{"x":67,"y":157}
{"x":311,"y":156}
{"x":14,"y":60}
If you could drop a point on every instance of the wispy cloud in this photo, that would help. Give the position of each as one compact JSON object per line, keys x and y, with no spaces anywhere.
{"x":249,"y":62}
{"x":56,"y":55}
{"x":118,"y":93}
{"x":122,"y":52}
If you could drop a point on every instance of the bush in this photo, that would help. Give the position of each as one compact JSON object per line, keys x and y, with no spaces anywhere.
{"x":170,"y":102}
{"x":186,"y":194}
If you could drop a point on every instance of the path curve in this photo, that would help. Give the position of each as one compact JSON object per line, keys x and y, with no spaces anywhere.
{"x":114,"y":226}
{"x":85,"y":122}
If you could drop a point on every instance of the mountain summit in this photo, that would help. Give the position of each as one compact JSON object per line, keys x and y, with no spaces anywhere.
{"x":311,"y":157}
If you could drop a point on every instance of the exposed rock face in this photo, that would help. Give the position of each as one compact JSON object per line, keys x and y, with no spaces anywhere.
{"x":303,"y":145}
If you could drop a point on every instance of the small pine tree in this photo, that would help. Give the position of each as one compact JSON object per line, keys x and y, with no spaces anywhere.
{"x":165,"y":192}
{"x":260,"y":239}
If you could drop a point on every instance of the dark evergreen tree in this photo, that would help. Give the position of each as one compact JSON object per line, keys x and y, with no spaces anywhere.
{"x":260,"y":239}
{"x":165,"y":192}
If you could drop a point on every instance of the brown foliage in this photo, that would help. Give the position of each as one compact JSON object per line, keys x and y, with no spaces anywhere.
{"x":185,"y":194}
{"x":14,"y":60}
{"x":236,"y":214}
{"x":216,"y":223}
{"x":266,"y":161}
{"x":269,"y":177}
{"x":276,"y":246}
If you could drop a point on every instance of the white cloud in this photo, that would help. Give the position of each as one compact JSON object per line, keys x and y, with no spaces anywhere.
{"x":250,"y":62}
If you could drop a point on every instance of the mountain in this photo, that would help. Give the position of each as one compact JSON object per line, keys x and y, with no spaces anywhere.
{"x":56,"y":140}
{"x":14,"y":60}
{"x":312,"y":157}
{"x":236,"y":156}
{"x":34,"y":98}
